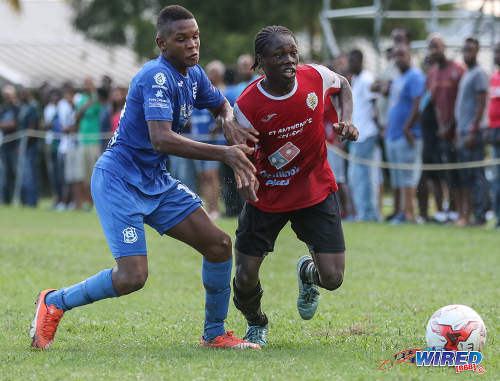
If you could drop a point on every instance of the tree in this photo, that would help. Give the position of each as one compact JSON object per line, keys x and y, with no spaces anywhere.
{"x":227,"y":27}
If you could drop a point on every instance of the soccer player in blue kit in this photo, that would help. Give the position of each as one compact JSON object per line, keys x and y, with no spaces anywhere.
{"x":131,"y":185}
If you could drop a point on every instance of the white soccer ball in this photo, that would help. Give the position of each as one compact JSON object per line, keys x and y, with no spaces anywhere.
{"x":457,"y":328}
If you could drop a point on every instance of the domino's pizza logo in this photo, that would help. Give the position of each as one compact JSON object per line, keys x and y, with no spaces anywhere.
{"x":129,"y":235}
{"x":160,"y":78}
{"x":283,"y":155}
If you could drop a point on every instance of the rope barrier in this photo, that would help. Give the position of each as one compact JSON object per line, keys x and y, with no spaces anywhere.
{"x":372,"y":163}
{"x":95,"y":136}
{"x":419,"y":166}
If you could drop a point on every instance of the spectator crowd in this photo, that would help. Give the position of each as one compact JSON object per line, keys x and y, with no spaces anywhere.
{"x":437,"y":112}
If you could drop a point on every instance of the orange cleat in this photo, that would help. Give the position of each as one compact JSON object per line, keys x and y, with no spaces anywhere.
{"x":229,"y":341}
{"x":45,"y":322}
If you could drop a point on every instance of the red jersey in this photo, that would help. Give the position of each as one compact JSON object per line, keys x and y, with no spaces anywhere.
{"x":494,"y":107}
{"x":291,"y":156}
{"x":443,"y":86}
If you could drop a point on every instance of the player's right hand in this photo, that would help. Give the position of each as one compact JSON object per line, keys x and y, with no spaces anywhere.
{"x":235,"y":133}
{"x":346,"y":130}
{"x":244,"y":171}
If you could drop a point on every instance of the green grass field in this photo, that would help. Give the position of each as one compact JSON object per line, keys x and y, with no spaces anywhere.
{"x":396,"y":277}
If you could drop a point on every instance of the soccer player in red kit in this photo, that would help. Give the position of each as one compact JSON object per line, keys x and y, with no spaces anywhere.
{"x":296,"y":183}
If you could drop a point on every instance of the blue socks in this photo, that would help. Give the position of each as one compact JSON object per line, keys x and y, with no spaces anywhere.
{"x":217,"y":281}
{"x":95,"y":288}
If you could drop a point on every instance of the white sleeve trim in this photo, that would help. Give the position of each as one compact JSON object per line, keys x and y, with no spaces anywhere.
{"x":330,"y":79}
{"x":240,"y":117}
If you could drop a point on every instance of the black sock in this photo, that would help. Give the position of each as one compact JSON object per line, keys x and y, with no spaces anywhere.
{"x":249,"y":304}
{"x":309,"y":272}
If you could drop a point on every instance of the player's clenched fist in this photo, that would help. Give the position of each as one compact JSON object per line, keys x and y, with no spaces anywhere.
{"x":346,"y":130}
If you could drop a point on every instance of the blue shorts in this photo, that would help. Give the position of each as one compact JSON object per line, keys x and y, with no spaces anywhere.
{"x":337,"y":164}
{"x":123,"y":210}
{"x":399,"y":151}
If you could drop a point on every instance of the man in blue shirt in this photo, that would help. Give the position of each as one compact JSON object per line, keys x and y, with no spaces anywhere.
{"x":131,"y":186}
{"x":403,"y":136}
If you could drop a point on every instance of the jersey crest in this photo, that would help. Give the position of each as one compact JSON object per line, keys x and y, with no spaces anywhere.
{"x":160,"y":78}
{"x":312,"y":100}
{"x":129,"y":235}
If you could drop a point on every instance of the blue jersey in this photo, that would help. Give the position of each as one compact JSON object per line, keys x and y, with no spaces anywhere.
{"x":157,"y":92}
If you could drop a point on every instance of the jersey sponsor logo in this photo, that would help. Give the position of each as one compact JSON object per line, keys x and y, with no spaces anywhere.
{"x":159,"y":102}
{"x":158,"y":105}
{"x":160,"y":78}
{"x":268,"y":118}
{"x":185,"y":113}
{"x":113,"y":139}
{"x":280,"y":178}
{"x":159,"y":94}
{"x":280,"y":183}
{"x":312,"y":100}
{"x":290,"y":131}
{"x":123,"y":110}
{"x":195,"y":89}
{"x":187,"y":190}
{"x":129,"y":235}
{"x":283,"y":155}
{"x":288,"y":173}
{"x":180,"y":83}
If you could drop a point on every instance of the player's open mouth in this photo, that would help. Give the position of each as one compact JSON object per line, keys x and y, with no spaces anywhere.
{"x":289,"y":71}
{"x":193,"y":56}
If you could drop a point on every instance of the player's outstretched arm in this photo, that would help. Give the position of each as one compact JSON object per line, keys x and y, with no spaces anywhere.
{"x":234,"y":132}
{"x":164,"y":140}
{"x":345,"y":128}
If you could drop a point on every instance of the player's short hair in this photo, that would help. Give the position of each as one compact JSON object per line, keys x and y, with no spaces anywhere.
{"x":103,"y":92}
{"x":357,"y":54}
{"x":216,"y":65}
{"x":435,"y":36}
{"x":472,"y":40}
{"x":263,"y":37}
{"x":169,"y":14}
{"x":406,"y":33}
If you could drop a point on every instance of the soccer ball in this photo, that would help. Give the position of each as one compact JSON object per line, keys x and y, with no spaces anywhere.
{"x":456,"y":328}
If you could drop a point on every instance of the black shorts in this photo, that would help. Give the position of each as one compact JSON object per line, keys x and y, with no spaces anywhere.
{"x":319,"y":226}
{"x":449,"y":155}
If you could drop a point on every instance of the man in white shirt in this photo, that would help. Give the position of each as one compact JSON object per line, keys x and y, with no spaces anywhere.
{"x":363,"y":179}
{"x":68,"y":151}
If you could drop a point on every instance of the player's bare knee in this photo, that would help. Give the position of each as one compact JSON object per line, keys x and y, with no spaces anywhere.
{"x":131,"y":281}
{"x":139,"y":280}
{"x":220,"y":249}
{"x":226,"y":244}
{"x":333,"y":280}
{"x":245,"y":280}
